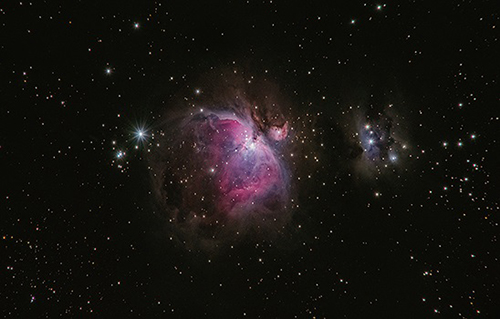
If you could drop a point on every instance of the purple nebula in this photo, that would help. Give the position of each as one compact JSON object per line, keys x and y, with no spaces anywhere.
{"x":245,"y":172}
{"x":220,"y":175}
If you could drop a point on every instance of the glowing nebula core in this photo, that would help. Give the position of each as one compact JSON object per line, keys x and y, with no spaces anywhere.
{"x":244,"y":170}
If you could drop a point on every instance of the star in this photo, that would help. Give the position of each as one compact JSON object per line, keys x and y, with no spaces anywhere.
{"x":140,"y":134}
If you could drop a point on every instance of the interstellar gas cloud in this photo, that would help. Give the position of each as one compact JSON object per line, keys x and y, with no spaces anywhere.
{"x":377,"y":135}
{"x":218,"y":166}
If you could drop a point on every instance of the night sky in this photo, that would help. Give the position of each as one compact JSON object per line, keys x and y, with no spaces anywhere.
{"x":259,"y":159}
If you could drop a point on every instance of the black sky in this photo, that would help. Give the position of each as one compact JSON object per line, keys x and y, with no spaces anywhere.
{"x":82,"y":235}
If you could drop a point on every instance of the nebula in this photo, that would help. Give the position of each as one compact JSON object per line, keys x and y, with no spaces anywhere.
{"x":238,"y":162}
{"x":219,"y":172}
{"x":376,"y":140}
{"x":382,"y":142}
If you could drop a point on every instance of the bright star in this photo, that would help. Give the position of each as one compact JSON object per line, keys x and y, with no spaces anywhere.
{"x":141,"y":133}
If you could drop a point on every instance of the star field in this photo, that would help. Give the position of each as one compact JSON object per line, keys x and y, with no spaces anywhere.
{"x":249,"y":159}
